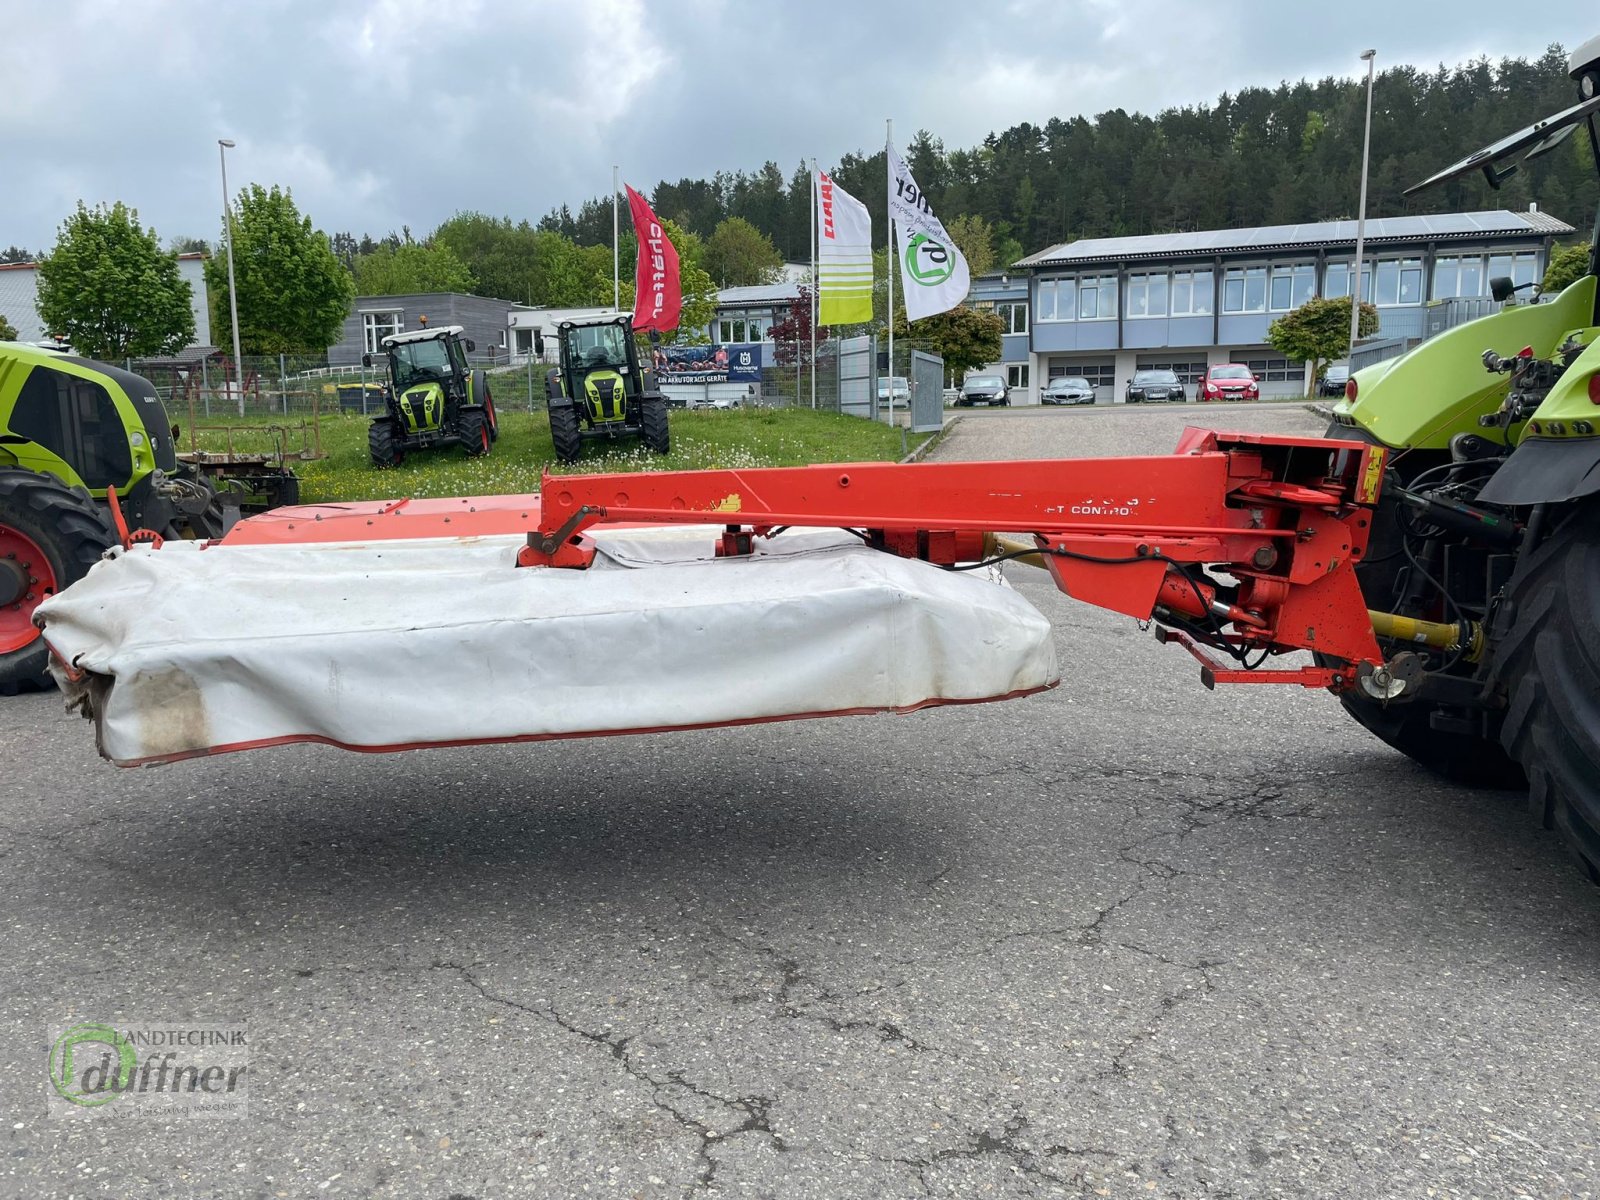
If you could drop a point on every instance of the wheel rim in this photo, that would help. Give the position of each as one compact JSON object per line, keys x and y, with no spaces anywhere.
{"x":26,"y":580}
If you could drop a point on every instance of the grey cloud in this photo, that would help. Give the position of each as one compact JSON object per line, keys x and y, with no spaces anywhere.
{"x":401,"y":112}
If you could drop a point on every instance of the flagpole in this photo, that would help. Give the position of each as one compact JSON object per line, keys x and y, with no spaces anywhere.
{"x":813,"y":283}
{"x":888,"y":171}
{"x":616,"y":246}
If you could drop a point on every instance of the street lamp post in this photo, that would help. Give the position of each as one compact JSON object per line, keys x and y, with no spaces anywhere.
{"x":223,"y":146}
{"x":1361,"y":216}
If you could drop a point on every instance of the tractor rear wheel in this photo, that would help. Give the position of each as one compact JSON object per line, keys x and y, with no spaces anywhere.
{"x":50,"y":535}
{"x":564,"y":432}
{"x":653,"y":420}
{"x":1549,"y":662}
{"x":473,"y":429}
{"x":480,"y":395}
{"x":385,"y":443}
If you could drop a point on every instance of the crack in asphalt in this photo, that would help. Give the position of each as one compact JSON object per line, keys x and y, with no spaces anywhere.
{"x":980,"y":1143}
{"x":756,"y":1110}
{"x":788,"y":1007}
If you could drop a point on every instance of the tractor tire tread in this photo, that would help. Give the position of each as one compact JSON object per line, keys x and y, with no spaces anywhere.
{"x":1549,"y":665}
{"x":655,"y":425}
{"x":565,"y":433}
{"x":384,"y":444}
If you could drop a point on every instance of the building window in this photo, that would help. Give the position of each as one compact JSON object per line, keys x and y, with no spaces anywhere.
{"x":1459,"y":275}
{"x":1017,"y":375}
{"x":1097,"y":298}
{"x":1191,"y":293}
{"x":1336,"y":282}
{"x":1147,"y":295}
{"x":379,"y":325}
{"x":1013,"y":316}
{"x":1058,"y":300}
{"x":1522,"y":268}
{"x":1398,"y":281}
{"x":1244,"y":290}
{"x":1292,"y":285}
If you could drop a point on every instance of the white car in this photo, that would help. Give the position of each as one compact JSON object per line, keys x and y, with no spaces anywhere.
{"x":902,"y":389}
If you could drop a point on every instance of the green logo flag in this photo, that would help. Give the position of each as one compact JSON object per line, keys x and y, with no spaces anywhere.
{"x":844,"y":255}
{"x":932,"y":271}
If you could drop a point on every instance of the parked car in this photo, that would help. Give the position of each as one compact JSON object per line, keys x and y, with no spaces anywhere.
{"x":1230,"y":381}
{"x":719,"y":403}
{"x":1154,"y":386}
{"x":984,"y":389}
{"x":1334,"y":379}
{"x":902,"y":389}
{"x":1067,"y":389}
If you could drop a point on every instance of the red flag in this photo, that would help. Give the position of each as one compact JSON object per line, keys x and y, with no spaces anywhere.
{"x":658,"y":294}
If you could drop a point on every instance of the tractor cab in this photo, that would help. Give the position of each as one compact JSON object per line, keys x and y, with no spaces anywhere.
{"x":434,"y":398}
{"x":600,"y":390}
{"x":600,"y":363}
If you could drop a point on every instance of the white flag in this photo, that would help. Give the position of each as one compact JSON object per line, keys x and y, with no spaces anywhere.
{"x":844,"y":255}
{"x":932,"y":271}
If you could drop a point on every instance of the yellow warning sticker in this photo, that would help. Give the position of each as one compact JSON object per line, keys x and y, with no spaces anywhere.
{"x":1372,"y":478}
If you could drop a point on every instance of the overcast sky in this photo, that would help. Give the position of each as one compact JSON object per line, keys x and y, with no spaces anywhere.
{"x":392,"y":112}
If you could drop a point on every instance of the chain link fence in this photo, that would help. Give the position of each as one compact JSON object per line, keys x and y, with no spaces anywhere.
{"x":212,"y":389}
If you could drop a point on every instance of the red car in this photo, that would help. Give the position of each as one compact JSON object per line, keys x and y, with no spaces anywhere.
{"x":1229,"y":381}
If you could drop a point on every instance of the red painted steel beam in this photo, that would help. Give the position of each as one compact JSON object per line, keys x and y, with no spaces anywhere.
{"x":1286,"y":517}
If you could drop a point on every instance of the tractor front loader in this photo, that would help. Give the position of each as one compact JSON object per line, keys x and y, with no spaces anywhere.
{"x":434,"y":399}
{"x":600,"y":390}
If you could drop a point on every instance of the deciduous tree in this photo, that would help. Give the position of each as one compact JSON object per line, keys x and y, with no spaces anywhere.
{"x":737,"y":254}
{"x":293,"y":293}
{"x":111,"y":290}
{"x":791,"y":337}
{"x":8,"y":331}
{"x":1319,"y":331}
{"x":964,"y":337}
{"x":413,"y":267}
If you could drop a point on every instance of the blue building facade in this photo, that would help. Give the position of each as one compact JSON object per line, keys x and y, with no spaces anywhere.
{"x":1104,"y":308}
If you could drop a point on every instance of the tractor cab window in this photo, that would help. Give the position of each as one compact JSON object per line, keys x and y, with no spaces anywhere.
{"x":420,"y":362}
{"x":598,"y":346}
{"x":76,"y":420}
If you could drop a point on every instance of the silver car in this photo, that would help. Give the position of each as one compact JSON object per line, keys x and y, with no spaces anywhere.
{"x":1067,"y":389}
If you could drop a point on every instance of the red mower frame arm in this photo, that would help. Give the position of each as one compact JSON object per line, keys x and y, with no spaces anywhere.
{"x":1281,"y":520}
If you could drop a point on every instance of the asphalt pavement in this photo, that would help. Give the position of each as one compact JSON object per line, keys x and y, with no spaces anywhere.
{"x":1125,"y":938}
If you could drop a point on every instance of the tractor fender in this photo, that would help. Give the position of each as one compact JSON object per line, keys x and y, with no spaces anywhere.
{"x":1546,"y":471}
{"x":553,"y":389}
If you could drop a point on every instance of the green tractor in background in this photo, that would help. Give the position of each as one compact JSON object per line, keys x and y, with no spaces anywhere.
{"x":71,"y":430}
{"x":1488,"y":529}
{"x":434,"y":398}
{"x":600,"y":390}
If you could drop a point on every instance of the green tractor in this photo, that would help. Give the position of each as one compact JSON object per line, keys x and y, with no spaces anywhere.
{"x":434,"y":399}
{"x":1488,"y":532}
{"x":71,"y":431}
{"x":600,"y":390}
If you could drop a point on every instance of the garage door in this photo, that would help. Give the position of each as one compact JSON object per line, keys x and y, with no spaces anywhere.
{"x":1101,"y":374}
{"x":1189,"y":370}
{"x":1279,"y":376}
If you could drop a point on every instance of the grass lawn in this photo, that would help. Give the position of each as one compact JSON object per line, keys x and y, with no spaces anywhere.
{"x":700,"y":440}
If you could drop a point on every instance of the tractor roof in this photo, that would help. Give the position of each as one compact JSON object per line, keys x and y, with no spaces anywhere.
{"x":424,"y":335}
{"x":601,"y":318}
